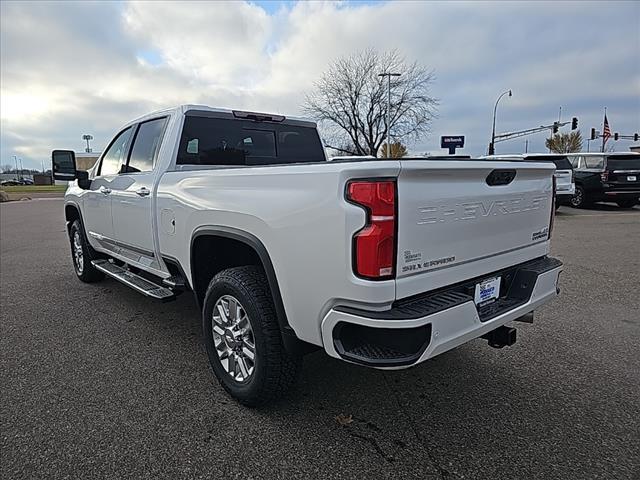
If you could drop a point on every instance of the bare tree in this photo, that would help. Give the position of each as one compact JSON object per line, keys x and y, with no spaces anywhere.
{"x":565,"y":142}
{"x":350,"y":102}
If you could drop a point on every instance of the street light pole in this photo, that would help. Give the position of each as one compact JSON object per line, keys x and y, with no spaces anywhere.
{"x":87,"y":137}
{"x":492,"y":149}
{"x":388,"y":122}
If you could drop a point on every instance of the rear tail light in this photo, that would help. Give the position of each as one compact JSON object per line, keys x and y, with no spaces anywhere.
{"x":374,"y":246}
{"x":604,"y":176}
{"x":553,"y":208}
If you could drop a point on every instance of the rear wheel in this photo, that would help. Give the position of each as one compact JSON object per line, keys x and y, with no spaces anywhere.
{"x":82,"y":254}
{"x":628,"y":203}
{"x":579,"y":199}
{"x":242,"y":337}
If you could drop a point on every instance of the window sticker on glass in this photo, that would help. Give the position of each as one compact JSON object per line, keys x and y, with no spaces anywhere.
{"x":192,"y":146}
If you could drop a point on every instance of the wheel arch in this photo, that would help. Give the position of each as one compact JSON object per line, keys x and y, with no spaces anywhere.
{"x":71,"y":214}
{"x":206,"y":235}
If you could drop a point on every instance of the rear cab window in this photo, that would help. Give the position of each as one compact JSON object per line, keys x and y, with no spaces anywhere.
{"x":233,"y":141}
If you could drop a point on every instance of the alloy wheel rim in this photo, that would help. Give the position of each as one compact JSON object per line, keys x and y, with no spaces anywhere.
{"x":576,"y":200}
{"x":233,"y":338}
{"x":78,"y":256}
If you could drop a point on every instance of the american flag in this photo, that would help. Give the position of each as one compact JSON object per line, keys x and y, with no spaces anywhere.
{"x":606,"y":133}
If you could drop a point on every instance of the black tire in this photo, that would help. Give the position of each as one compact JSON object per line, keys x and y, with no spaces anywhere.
{"x":85,"y":271}
{"x":274,"y":370}
{"x":557,"y":205}
{"x":628,"y":203}
{"x":579,"y":200}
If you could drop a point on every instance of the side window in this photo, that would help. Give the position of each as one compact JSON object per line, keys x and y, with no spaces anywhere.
{"x":146,"y":145}
{"x":594,"y":162}
{"x":114,"y":157}
{"x":575,"y":160}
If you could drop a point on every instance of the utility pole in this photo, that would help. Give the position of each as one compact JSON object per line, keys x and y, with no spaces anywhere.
{"x":21,"y":170}
{"x":15,"y":159}
{"x":388,"y":122}
{"x":604,"y":138}
{"x":559,"y":121}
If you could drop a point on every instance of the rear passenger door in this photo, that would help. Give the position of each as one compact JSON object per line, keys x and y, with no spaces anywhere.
{"x":132,"y":195}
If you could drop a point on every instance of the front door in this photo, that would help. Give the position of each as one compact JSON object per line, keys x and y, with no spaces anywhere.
{"x":133,"y":200}
{"x":97,"y":204}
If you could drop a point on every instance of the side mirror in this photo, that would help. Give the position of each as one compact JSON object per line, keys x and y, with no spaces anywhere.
{"x":64,"y":168}
{"x":64,"y":164}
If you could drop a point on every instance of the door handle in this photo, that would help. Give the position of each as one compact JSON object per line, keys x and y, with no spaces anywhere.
{"x":104,"y":190}
{"x":143,"y":191}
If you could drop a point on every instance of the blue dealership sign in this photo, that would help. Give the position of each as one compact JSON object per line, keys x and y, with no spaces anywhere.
{"x":452,"y":142}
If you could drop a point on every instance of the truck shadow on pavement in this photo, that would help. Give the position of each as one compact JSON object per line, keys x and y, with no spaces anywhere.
{"x":468,"y":405}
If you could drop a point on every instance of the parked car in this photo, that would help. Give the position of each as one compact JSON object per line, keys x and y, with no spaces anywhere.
{"x":565,"y":186}
{"x":383,"y":263}
{"x":606,"y":177}
{"x":26,"y":181}
{"x":9,"y":183}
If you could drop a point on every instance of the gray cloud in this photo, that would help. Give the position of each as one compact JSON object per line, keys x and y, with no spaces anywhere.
{"x":73,"y":68}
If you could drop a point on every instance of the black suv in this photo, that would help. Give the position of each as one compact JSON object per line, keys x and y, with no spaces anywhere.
{"x":606,"y":177}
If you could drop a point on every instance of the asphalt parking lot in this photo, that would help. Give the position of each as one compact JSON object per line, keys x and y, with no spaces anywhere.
{"x":100,"y":382}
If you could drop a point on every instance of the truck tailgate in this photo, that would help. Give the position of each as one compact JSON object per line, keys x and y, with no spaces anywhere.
{"x":461,"y":219}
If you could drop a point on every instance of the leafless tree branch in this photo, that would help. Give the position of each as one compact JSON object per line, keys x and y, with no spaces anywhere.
{"x":351,"y":100}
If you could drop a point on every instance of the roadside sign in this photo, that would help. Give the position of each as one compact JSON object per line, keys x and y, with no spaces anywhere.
{"x":452,"y":142}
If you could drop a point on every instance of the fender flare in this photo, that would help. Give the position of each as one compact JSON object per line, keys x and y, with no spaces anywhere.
{"x":251,"y":241}
{"x":77,"y":208}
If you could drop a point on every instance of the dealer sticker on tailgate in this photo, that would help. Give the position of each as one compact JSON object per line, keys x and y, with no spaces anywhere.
{"x":487,"y":290}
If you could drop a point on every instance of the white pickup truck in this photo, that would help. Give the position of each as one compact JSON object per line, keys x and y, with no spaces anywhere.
{"x":383,"y":263}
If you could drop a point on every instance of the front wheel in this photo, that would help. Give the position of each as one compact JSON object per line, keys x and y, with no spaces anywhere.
{"x":579,"y":199}
{"x":82,"y":254}
{"x":628,"y":203}
{"x":242,"y":337}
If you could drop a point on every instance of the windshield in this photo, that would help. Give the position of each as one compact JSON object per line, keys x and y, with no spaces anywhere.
{"x":227,"y":141}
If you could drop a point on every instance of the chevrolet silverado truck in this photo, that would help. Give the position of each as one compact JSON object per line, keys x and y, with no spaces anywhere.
{"x":380,"y":262}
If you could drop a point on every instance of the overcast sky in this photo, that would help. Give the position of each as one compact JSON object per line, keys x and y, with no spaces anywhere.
{"x":74,"y":68}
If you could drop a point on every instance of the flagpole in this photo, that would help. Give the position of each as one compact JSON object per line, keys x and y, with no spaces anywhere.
{"x":604,"y":138}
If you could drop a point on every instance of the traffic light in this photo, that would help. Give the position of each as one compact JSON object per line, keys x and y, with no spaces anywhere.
{"x":635,"y":137}
{"x":555,"y":127}
{"x":574,"y":123}
{"x":615,"y":136}
{"x":593,"y":134}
